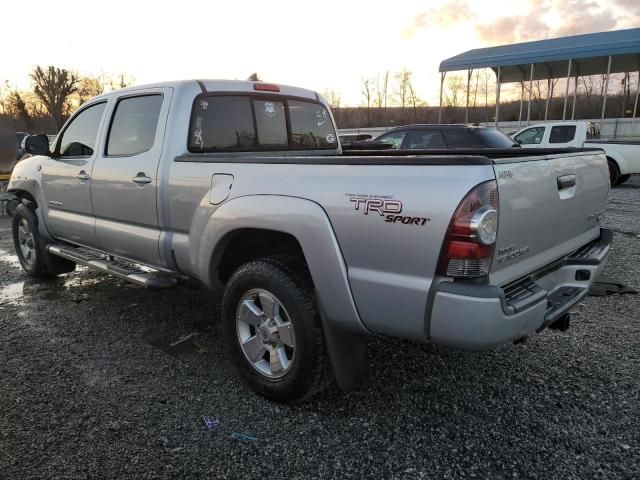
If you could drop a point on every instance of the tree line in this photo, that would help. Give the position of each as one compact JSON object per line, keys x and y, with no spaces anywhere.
{"x":384,"y":94}
{"x":390,"y":99}
{"x":54,"y":95}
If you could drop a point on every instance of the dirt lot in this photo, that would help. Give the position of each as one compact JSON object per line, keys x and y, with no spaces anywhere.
{"x":90,"y":387}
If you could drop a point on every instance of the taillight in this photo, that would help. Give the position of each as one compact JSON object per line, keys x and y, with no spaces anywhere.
{"x":468,"y":247}
{"x":266,"y":87}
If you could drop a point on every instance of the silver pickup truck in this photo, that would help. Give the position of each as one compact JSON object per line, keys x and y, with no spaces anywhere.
{"x":244,"y":188}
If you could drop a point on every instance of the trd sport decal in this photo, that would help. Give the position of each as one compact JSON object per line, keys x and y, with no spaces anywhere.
{"x":385,"y":206}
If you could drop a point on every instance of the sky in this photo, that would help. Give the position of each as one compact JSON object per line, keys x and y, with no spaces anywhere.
{"x":328,"y":44}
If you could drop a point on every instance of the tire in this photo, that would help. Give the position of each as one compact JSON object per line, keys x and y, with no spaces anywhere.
{"x":614,"y":172}
{"x":11,"y":206}
{"x":294,"y":338}
{"x":623,"y":178}
{"x":31,"y":247}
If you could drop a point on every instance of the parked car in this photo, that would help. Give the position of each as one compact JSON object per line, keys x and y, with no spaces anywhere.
{"x":349,"y":138}
{"x":243,"y":187}
{"x":623,"y":157}
{"x":437,"y":137}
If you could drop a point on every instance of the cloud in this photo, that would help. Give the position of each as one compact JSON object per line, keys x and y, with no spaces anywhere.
{"x":632,"y":6}
{"x":453,"y":11}
{"x":512,"y":29}
{"x":580,"y":16}
{"x":538,"y":20}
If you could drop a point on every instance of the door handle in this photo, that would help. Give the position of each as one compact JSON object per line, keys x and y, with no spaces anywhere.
{"x":566,"y":181}
{"x":83,"y":175}
{"x":141,"y":179}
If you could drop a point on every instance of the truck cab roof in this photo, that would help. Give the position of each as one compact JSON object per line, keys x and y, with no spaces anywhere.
{"x":219,"y":85}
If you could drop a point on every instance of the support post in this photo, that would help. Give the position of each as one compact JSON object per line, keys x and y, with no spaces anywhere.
{"x":442,"y":74}
{"x":635,"y":104}
{"x":466,"y":110}
{"x":530,"y":92}
{"x":546,"y":106}
{"x":521,"y":100}
{"x":566,"y":92}
{"x":575,"y":93}
{"x":606,"y":87}
{"x":498,"y":82}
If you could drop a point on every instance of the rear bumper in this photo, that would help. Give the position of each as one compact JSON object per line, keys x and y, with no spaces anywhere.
{"x":481,"y":317}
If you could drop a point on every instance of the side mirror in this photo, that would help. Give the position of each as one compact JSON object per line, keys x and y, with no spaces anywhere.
{"x":518,"y":141}
{"x":37,"y":145}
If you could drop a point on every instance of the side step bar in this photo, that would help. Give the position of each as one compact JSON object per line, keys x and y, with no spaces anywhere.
{"x":127,"y":271}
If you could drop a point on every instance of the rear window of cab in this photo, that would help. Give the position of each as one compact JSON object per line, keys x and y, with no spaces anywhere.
{"x":241,"y":122}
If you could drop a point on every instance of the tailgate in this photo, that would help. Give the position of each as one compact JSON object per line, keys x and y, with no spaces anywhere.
{"x":549,"y":207}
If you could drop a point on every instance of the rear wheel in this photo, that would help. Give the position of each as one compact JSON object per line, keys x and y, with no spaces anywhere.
{"x":272,"y":330}
{"x":614,"y":172}
{"x":31,"y":247}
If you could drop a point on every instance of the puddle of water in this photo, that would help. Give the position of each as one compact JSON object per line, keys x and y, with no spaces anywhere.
{"x":11,"y":293}
{"x":78,"y":281}
{"x":9,"y":257}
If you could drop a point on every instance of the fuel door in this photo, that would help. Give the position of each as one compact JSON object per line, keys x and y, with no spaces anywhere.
{"x":221,"y":184}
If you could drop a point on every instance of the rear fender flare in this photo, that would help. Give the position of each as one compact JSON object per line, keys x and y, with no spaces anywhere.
{"x":308,"y":223}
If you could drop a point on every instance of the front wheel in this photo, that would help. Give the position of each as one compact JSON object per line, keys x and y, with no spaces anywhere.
{"x":272,"y":330}
{"x":31,"y":247}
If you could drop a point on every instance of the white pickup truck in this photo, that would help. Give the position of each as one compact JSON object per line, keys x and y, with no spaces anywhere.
{"x":623,"y":157}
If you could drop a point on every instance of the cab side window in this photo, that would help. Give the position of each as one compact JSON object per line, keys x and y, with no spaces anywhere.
{"x":394,"y":138}
{"x":134,"y":124}
{"x":562,"y":134}
{"x":531,"y":136}
{"x":79,"y":138}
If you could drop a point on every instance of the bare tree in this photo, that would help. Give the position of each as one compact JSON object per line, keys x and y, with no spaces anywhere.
{"x":486,"y":87}
{"x":89,"y":87}
{"x":476,"y":76}
{"x":17,"y":107}
{"x":403,"y":89}
{"x":21,"y":105}
{"x":54,"y":87}
{"x":367,"y":98}
{"x":122,"y":80}
{"x":333,"y":99}
{"x":382,"y":93}
{"x":415,"y":101}
{"x":454,"y":91}
{"x":587,"y":87}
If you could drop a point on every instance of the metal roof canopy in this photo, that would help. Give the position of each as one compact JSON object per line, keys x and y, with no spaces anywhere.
{"x":590,"y":54}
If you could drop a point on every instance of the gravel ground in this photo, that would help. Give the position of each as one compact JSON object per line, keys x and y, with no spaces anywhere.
{"x":90,"y":388}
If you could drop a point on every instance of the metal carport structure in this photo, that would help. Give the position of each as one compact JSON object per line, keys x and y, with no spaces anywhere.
{"x":590,"y":54}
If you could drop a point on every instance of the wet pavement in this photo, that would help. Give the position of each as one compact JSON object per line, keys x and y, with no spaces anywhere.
{"x":103,"y":379}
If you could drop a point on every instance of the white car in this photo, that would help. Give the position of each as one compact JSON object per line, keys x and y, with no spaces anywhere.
{"x":623,"y":157}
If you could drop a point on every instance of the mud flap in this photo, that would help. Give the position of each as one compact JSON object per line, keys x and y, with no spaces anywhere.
{"x":348,"y":353}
